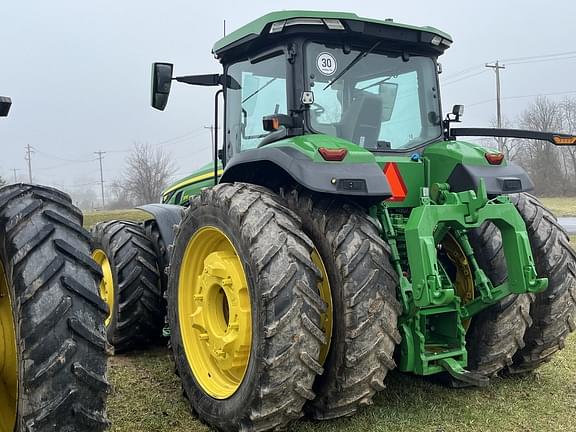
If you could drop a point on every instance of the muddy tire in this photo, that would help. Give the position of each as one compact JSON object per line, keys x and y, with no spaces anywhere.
{"x":54,"y":331}
{"x":554,"y":310}
{"x":268,"y":247}
{"x":138,"y":308}
{"x":497,"y":333}
{"x":363,"y":285}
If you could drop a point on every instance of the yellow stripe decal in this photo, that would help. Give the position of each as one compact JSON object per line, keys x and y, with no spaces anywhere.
{"x":193,"y":180}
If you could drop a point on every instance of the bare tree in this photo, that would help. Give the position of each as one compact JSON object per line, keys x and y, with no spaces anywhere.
{"x":2,"y":181}
{"x":541,"y":159}
{"x":147,"y":173}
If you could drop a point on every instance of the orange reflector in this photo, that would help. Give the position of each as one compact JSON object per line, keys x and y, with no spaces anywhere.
{"x":494,"y":158}
{"x":564,"y":140}
{"x":333,"y":155}
{"x":392,"y":173}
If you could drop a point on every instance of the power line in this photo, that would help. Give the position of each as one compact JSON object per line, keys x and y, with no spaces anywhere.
{"x":444,"y":84}
{"x":52,"y":156}
{"x":101,"y":154}
{"x":511,"y":61}
{"x":522,"y":96}
{"x":541,"y":56}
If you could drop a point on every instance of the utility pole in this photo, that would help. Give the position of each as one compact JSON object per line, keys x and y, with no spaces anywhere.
{"x":15,"y":176}
{"x":28,"y":158}
{"x":497,"y":66}
{"x":100,"y":157}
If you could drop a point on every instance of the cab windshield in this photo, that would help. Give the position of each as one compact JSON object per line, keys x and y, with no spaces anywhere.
{"x":381,"y":102}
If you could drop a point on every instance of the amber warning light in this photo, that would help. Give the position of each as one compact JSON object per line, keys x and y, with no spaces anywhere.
{"x":564,"y":140}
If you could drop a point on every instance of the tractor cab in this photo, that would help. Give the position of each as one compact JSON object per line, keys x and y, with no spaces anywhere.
{"x":368,"y":82}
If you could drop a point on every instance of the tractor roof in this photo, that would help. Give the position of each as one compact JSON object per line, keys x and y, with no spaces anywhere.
{"x":277,"y":22}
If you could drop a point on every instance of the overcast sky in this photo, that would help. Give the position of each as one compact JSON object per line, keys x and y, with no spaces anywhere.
{"x":79,"y":71}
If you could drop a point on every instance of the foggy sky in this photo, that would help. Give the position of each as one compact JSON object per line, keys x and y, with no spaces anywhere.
{"x":79,"y":72}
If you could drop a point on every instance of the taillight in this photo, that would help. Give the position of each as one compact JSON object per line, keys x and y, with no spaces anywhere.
{"x":333,"y":155}
{"x":494,"y":158}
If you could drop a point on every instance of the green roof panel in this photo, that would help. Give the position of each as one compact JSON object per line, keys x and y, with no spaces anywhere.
{"x":256,"y":27}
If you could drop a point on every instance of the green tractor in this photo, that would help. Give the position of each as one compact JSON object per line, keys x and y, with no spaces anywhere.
{"x":53,"y":349}
{"x":341,"y":231}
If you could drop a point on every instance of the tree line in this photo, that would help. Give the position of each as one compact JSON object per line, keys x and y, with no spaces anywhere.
{"x":148,"y":169}
{"x":552,"y":168}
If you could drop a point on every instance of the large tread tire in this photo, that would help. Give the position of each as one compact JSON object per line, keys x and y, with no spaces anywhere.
{"x":286,"y":308}
{"x":139,"y":307}
{"x":363,"y":284}
{"x":58,"y":314}
{"x":497,"y":333}
{"x":554,"y":310}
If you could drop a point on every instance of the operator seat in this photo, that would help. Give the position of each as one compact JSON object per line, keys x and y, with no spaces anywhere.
{"x":362,"y":121}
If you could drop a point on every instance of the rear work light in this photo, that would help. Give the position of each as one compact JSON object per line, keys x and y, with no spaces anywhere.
{"x":332,"y":24}
{"x":494,"y":158}
{"x":333,"y":155}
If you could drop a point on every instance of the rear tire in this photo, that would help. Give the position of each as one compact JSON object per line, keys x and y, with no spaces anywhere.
{"x":285,"y":309}
{"x":57,"y":315}
{"x":365,"y":309}
{"x":554,"y":310}
{"x":496,"y":333}
{"x":138,"y":308}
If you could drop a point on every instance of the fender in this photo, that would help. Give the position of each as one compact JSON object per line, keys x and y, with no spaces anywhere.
{"x":166,"y":216}
{"x":365,"y":180}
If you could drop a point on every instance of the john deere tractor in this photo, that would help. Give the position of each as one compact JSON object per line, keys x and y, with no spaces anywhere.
{"x":342,"y":230}
{"x":52,"y":346}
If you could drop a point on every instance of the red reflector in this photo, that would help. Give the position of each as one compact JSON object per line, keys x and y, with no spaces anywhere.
{"x":392,"y":173}
{"x":494,"y":158}
{"x":333,"y":154}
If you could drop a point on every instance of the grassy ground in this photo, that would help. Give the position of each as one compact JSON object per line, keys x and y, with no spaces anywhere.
{"x":565,"y":206}
{"x":93,"y":217}
{"x":147,"y":397}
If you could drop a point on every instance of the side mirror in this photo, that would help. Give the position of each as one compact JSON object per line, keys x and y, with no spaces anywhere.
{"x":161,"y":82}
{"x":5,"y":104}
{"x":457,"y":112}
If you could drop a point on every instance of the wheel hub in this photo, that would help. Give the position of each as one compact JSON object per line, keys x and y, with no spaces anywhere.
{"x":222,"y":309}
{"x":215,"y":313}
{"x":107,"y":283}
{"x":8,"y":359}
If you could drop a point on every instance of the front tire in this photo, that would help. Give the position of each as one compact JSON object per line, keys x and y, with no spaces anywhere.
{"x":53,"y":350}
{"x":240,"y":271}
{"x":131,"y":284}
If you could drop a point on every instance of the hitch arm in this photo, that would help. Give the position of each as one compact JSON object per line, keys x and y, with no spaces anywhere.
{"x":552,"y":137}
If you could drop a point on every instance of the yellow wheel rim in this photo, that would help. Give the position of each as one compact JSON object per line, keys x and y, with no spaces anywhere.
{"x":107,"y":282}
{"x":8,"y":359}
{"x":214,"y":312}
{"x":326,"y":295}
{"x":464,"y":278}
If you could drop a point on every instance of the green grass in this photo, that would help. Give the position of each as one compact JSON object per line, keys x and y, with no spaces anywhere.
{"x":93,"y":217}
{"x":565,"y":206}
{"x":147,"y":397}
